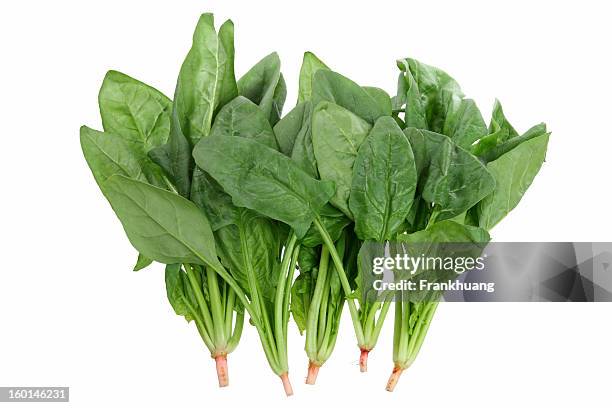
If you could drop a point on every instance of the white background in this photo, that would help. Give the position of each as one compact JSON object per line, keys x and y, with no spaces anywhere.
{"x":72,"y":313}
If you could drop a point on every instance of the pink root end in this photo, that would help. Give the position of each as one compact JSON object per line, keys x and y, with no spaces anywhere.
{"x":221,"y":362}
{"x":363,"y":360}
{"x":394,"y":378}
{"x":286,"y":384}
{"x":313,"y":371}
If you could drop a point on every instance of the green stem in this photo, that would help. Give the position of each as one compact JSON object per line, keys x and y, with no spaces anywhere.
{"x":217,"y":308}
{"x":379,"y":323}
{"x":236,"y":333}
{"x":279,"y":324}
{"x":264,"y":329}
{"x":315,"y":304}
{"x":200,"y":326}
{"x":343,"y":279}
{"x":229,"y":310}
{"x":197,"y":290}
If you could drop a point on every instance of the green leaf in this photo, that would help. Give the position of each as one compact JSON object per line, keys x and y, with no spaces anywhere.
{"x":381,"y":97}
{"x":108,"y":154}
{"x":332,"y":87}
{"x":263,"y":85}
{"x":384,"y":182}
{"x":408,"y":94}
{"x":513,"y":172}
{"x":334,"y":222}
{"x":206,"y":79}
{"x":439,"y":93}
{"x":262,"y":243}
{"x":136,"y":112}
{"x":142,"y":262}
{"x":337,"y":134}
{"x":207,"y":194}
{"x":465,"y":125}
{"x":450,"y":178}
{"x":176,"y":290}
{"x":493,"y":153}
{"x":175,"y":158}
{"x":310,"y":65}
{"x":308,"y":258}
{"x":161,"y":225}
{"x":446,"y":231}
{"x":301,"y":295}
{"x":288,"y":128}
{"x":242,"y":118}
{"x":499,"y":121}
{"x":303,"y":150}
{"x":263,"y":180}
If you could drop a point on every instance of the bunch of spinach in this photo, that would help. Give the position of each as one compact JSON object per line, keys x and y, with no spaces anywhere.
{"x":233,"y":196}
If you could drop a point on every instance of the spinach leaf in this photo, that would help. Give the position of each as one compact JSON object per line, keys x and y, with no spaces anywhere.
{"x":243,"y":118}
{"x":175,"y":159}
{"x":499,"y":122}
{"x":450,"y":178}
{"x":263,"y":180}
{"x":303,"y":150}
{"x":381,"y":97}
{"x":514,"y":172}
{"x":301,"y":294}
{"x":142,"y":262}
{"x":334,"y":222}
{"x":161,"y":225}
{"x":108,"y":154}
{"x":288,"y":128}
{"x":332,"y":87}
{"x":465,"y":125}
{"x":206,"y":79}
{"x":439,"y":92}
{"x":337,"y":134}
{"x":408,"y":94}
{"x":259,"y":236}
{"x":207,"y":194}
{"x":384,"y":182}
{"x":310,"y":65}
{"x":264,"y":85}
{"x":176,"y":290}
{"x":140,"y":114}
{"x":494,"y":152}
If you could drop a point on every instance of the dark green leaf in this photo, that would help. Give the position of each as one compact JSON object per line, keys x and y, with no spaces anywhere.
{"x":177,"y":292}
{"x":450,"y":178}
{"x":175,"y":158}
{"x":501,"y":148}
{"x":243,"y":118}
{"x":439,"y":92}
{"x":465,"y":125}
{"x":499,"y":121}
{"x":332,"y":87}
{"x":303,"y":150}
{"x":161,"y":225}
{"x":206,"y":79}
{"x":260,"y":85}
{"x":207,"y":194}
{"x":337,"y":134}
{"x":301,"y":294}
{"x":334,"y":222}
{"x":263,"y":180}
{"x":381,"y":97}
{"x":384,"y":182}
{"x":288,"y":128}
{"x":262,"y":244}
{"x":513,"y":172}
